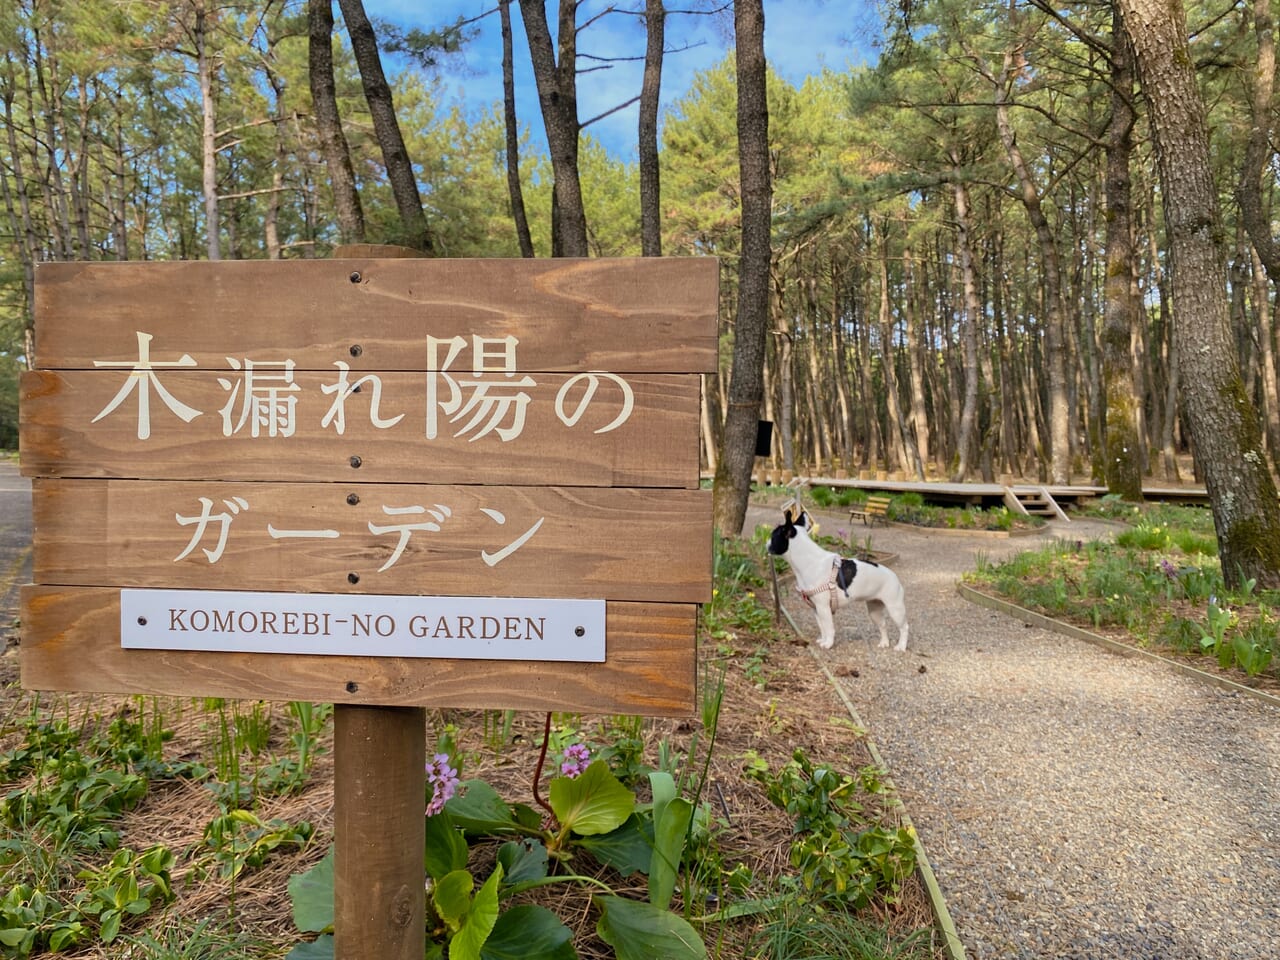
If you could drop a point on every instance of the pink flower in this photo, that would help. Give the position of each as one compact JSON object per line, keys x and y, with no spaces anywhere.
{"x":575,"y":760}
{"x":443,"y":780}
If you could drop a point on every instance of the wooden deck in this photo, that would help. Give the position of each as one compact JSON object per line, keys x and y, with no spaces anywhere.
{"x":993,"y":494}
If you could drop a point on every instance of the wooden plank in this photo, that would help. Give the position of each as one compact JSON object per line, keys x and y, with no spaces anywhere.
{"x":71,"y":641}
{"x":631,"y":315}
{"x":614,"y":544}
{"x":656,"y":446}
{"x":379,"y":832}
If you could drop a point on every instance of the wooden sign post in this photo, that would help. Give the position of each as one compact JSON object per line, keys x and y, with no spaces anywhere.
{"x":379,"y":483}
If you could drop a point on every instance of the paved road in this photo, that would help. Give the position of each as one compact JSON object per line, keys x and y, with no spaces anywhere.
{"x":15,"y":543}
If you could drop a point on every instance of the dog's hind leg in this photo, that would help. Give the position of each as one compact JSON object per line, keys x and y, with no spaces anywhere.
{"x":898,"y":613}
{"x":875,"y":608}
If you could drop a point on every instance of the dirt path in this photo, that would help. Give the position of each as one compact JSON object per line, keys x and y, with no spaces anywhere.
{"x":1074,"y":803}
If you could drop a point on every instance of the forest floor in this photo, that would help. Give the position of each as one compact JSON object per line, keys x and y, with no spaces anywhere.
{"x":775,"y":702}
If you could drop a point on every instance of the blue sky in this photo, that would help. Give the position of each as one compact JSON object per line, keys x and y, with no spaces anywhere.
{"x":801,"y":37}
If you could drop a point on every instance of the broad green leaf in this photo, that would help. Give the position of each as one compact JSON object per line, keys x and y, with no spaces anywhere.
{"x":593,"y":803}
{"x":527,"y":816}
{"x":319,"y":949}
{"x":529,"y":932}
{"x":669,"y":834}
{"x":452,"y":897}
{"x":312,"y":896}
{"x":110,"y":926}
{"x":446,"y":849}
{"x":479,"y":921}
{"x":663,"y":787}
{"x":629,"y":849}
{"x":637,"y":930}
{"x":478,"y":809}
{"x":522,"y":860}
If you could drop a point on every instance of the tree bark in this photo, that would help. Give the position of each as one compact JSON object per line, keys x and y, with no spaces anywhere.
{"x":655,"y":18}
{"x":395,"y":156}
{"x":333,"y":142}
{"x":965,"y":440}
{"x":919,"y":417}
{"x":1223,"y":425}
{"x":1122,"y":443}
{"x":733,"y":476}
{"x":1257,"y":221}
{"x":908,"y":455}
{"x":556,"y":76}
{"x":208,"y":145}
{"x":1054,"y":326}
{"x":515,"y":190}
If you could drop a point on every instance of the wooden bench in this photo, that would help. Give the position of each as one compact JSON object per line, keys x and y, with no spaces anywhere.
{"x":876,"y":508}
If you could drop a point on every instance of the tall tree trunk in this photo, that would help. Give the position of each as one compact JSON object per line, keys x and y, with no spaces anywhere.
{"x":1123,"y":445}
{"x":871,"y":449}
{"x":208,"y":136}
{"x":782,"y":352}
{"x":733,"y":477}
{"x":919,"y":416}
{"x":118,"y":203}
{"x":333,"y":142}
{"x":1257,"y":220}
{"x":909,"y":456}
{"x":1258,"y":152}
{"x":386,"y":128}
{"x":556,"y":74}
{"x":965,"y":439}
{"x":840,"y":376}
{"x":710,"y":416}
{"x":515,"y":191}
{"x":1055,"y":322}
{"x":655,"y":18}
{"x":17,"y":203}
{"x":1267,"y":358}
{"x":1224,"y":428}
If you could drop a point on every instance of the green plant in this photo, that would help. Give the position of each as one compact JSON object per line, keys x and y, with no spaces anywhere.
{"x":827,"y":928}
{"x":179,"y":939}
{"x":239,"y":839}
{"x":1214,"y":635}
{"x":593,"y":814}
{"x":1142,"y":582}
{"x":127,"y":886}
{"x":836,"y":850}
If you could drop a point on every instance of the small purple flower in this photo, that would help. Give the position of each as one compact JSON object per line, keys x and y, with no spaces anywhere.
{"x":1169,"y":569}
{"x":574,"y":760}
{"x":443,"y":780}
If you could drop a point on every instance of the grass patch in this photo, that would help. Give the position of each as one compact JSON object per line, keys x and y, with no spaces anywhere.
{"x":1157,"y":584}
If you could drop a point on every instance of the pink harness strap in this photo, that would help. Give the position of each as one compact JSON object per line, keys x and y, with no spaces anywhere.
{"x":828,"y":587}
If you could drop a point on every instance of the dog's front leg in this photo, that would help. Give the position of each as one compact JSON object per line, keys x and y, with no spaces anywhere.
{"x":826,"y":623}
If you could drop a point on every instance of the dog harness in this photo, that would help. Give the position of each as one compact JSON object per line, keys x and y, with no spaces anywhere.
{"x":830,"y":587}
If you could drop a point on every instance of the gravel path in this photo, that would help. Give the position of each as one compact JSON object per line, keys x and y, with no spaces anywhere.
{"x":1073,"y":803}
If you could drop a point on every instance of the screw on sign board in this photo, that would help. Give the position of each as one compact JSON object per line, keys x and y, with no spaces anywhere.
{"x":406,"y":483}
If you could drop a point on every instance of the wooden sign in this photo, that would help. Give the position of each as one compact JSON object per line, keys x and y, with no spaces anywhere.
{"x":380,"y":428}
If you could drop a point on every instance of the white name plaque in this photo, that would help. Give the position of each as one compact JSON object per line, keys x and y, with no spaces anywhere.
{"x":468,"y":628}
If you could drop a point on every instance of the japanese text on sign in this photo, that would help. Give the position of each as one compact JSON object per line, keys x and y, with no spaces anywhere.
{"x":263,"y":397}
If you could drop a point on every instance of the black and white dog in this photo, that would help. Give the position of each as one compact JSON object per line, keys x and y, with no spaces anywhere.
{"x":828,"y":581}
